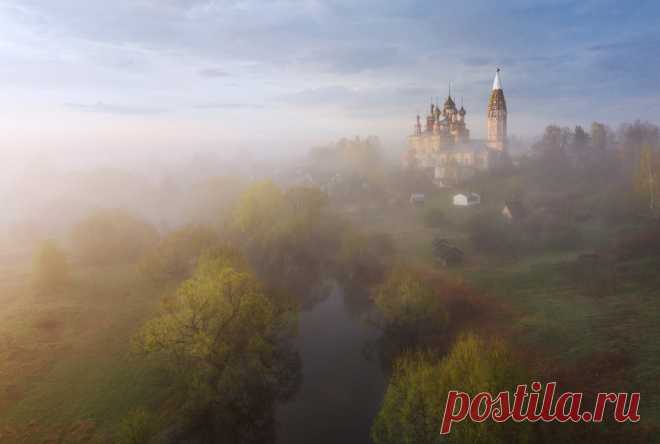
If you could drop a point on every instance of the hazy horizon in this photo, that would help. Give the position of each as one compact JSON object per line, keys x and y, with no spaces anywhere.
{"x":145,"y":79}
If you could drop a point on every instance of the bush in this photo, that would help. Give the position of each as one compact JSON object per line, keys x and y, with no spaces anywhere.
{"x":175,"y":255}
{"x":362,"y":257}
{"x":409,"y":305}
{"x":51,"y":270}
{"x":138,"y":427}
{"x":413,"y":404}
{"x":434,"y":217}
{"x":112,"y":236}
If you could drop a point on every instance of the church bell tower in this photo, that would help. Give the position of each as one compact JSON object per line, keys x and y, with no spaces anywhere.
{"x":497,"y":116}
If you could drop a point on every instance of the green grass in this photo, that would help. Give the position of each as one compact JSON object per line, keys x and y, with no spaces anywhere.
{"x":552,"y":314}
{"x":67,"y":355}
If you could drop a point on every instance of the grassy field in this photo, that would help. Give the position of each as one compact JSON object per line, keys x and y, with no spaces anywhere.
{"x":608,"y":341}
{"x":554,"y":316}
{"x":66,"y":371}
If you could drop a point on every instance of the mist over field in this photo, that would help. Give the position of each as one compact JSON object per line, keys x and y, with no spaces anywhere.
{"x":300,"y":221}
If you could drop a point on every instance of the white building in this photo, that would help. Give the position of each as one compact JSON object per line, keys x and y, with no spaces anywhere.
{"x":466,"y":199}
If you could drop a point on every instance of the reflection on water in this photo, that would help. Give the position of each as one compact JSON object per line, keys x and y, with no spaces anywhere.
{"x":341,"y":389}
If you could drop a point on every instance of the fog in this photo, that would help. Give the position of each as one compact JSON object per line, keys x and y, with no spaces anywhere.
{"x":141,"y":87}
{"x":260,"y":221}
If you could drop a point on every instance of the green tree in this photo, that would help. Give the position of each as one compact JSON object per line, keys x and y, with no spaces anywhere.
{"x":579,"y":145}
{"x":647,"y":180}
{"x":634,"y":137}
{"x":176,"y":254}
{"x":363,"y":257}
{"x":51,"y":269}
{"x":260,"y":209}
{"x":600,"y":136}
{"x":286,"y":235}
{"x":112,"y":236}
{"x":409,"y":305}
{"x":223,"y":339}
{"x":413,"y":405}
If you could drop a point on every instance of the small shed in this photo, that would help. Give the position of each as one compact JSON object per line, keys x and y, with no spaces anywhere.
{"x":417,"y":199}
{"x":466,"y":199}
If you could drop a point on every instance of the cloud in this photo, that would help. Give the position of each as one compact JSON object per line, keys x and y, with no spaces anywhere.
{"x":229,"y":106}
{"x":478,"y":61}
{"x":105,"y":108}
{"x":349,"y":60}
{"x":369,"y":56}
{"x":213,"y":73}
{"x":378,"y":100}
{"x":327,"y":95}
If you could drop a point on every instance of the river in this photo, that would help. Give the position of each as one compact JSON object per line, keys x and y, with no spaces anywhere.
{"x":342,"y":389}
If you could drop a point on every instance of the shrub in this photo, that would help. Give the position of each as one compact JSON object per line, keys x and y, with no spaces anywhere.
{"x":112,"y":236}
{"x":412,"y":408}
{"x":409,"y":305}
{"x":138,"y":427}
{"x":362,"y":257}
{"x":175,"y":255}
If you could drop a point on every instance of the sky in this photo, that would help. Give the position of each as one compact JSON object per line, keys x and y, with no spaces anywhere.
{"x":127,"y":79}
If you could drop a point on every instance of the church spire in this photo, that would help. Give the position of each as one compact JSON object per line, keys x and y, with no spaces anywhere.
{"x":497,"y":83}
{"x":497,"y":116}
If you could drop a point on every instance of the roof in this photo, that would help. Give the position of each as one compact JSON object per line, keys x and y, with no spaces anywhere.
{"x":469,"y":196}
{"x":449,"y":103}
{"x":497,"y":83}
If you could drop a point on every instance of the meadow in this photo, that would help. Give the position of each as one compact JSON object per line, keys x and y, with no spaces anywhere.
{"x":67,"y":372}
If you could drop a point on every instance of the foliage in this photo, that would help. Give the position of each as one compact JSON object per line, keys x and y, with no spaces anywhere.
{"x":412,"y":408}
{"x":138,"y":427}
{"x":362,"y":257}
{"x":647,"y":178}
{"x":112,"y":236}
{"x":223,"y":338}
{"x":287,"y":236}
{"x":51,"y":269}
{"x":409,"y":305}
{"x":260,"y":208}
{"x":434,"y":217}
{"x":634,"y":137}
{"x":176,"y":254}
{"x":356,"y":155}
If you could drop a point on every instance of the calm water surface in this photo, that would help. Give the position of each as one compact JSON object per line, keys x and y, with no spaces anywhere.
{"x":341,"y":389}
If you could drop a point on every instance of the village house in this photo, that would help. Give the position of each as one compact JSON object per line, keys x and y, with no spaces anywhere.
{"x":466,"y":199}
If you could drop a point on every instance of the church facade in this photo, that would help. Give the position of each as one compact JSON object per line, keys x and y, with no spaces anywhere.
{"x":442,"y":142}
